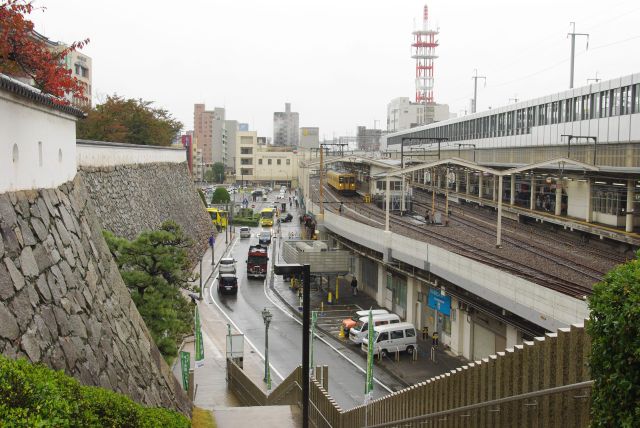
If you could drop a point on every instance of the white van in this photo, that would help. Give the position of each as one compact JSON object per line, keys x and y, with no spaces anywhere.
{"x":347,"y":323}
{"x":391,"y":338}
{"x":357,"y":332}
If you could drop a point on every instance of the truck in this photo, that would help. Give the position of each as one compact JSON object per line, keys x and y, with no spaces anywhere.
{"x":257,"y":262}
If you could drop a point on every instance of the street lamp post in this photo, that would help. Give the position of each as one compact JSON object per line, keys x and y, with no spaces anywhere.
{"x":266,"y":317}
{"x":305,"y":271}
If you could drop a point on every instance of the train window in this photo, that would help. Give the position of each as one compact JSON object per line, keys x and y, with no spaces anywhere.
{"x":595,"y":105}
{"x":554,"y":112}
{"x":636,"y":99}
{"x":542,"y":114}
{"x":625,"y":100}
{"x":615,"y":102}
{"x":576,"y":109}
{"x":531,"y":115}
{"x":585,"y":107}
{"x":604,"y":104}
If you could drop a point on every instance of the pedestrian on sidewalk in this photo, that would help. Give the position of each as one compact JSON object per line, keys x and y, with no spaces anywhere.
{"x":425,"y":333}
{"x":354,"y":286}
{"x":434,"y":339}
{"x":340,"y":208}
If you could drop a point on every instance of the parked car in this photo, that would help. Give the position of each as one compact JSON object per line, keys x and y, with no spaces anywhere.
{"x":228,"y":284}
{"x":227,"y":265}
{"x":264,"y":237}
{"x":245,"y":232}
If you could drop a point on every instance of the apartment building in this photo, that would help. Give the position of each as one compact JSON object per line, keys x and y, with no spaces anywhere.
{"x":286,"y":127}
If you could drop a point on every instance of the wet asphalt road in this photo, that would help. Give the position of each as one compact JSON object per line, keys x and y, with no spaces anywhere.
{"x":346,"y":381}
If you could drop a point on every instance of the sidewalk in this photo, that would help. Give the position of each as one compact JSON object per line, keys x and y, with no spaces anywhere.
{"x":211,"y":391}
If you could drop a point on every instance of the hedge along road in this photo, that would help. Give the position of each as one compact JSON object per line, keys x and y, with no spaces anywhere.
{"x":346,"y":373}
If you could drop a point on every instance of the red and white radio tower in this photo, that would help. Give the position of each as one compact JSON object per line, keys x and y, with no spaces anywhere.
{"x":424,"y":52}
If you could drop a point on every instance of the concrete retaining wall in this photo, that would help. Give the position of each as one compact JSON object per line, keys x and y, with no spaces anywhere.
{"x":63,"y":302}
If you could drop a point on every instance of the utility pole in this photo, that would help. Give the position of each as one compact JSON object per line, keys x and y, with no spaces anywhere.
{"x":475,"y":89}
{"x":573,"y":35}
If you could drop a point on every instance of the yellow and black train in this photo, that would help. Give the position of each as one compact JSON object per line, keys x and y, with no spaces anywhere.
{"x":343,"y":182}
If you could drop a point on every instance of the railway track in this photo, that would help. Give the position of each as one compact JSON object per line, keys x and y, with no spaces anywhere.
{"x":530,"y":233}
{"x":538,"y":250}
{"x":550,"y":280}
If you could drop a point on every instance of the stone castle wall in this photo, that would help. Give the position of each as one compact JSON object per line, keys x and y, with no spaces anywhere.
{"x":62,"y":300}
{"x":132,"y":198}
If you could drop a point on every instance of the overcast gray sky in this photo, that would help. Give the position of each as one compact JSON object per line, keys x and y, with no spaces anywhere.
{"x":339,"y":62}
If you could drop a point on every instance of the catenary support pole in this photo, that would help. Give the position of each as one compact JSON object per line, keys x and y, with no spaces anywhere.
{"x":306,"y":285}
{"x":532,"y":191}
{"x":629,"y":211}
{"x":499,"y":225}
{"x":387,"y":201}
{"x":512,"y":186}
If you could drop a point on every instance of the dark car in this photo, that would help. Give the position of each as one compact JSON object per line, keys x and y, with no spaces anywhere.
{"x":264,"y":237}
{"x":287,"y":218}
{"x":227,"y":284}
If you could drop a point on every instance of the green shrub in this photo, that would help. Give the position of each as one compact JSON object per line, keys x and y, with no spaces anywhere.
{"x":614,"y":328}
{"x":243,"y":221}
{"x":32,"y":395}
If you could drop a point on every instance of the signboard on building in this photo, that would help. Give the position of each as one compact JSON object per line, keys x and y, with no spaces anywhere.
{"x":439,"y":302}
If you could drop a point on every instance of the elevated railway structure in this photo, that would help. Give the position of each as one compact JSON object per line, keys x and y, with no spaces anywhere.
{"x":535,"y":281}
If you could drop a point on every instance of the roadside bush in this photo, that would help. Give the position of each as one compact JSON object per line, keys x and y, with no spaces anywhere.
{"x":614,"y":327}
{"x":32,"y":395}
{"x":243,"y":221}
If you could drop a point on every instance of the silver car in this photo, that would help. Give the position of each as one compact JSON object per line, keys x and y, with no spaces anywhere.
{"x":245,"y":232}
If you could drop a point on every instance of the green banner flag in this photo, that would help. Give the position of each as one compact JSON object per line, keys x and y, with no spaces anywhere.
{"x":199,"y":346}
{"x":368,"y":387}
{"x":185,"y":365}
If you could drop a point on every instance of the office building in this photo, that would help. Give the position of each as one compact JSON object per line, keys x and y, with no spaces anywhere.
{"x":286,"y":127}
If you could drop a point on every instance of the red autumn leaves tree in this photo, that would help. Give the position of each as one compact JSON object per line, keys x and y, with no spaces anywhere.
{"x":25,"y":54}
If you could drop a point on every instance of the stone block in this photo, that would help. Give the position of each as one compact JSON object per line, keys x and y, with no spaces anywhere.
{"x":42,"y":257}
{"x":66,"y":219}
{"x":27,"y":235}
{"x":10,"y":240}
{"x":30,"y":345}
{"x":28,"y":263}
{"x":43,"y":212}
{"x":6,"y":283}
{"x":16,"y":276}
{"x":22,"y":309}
{"x":8,"y":325}
{"x":63,"y":233}
{"x":41,"y":230}
{"x":8,"y":216}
